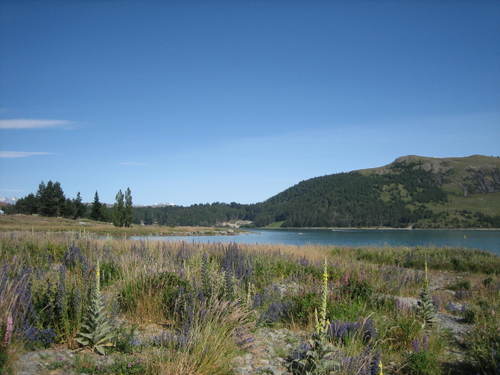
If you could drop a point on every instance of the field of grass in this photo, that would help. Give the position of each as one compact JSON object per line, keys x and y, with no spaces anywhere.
{"x":209,"y":309}
{"x":42,"y":223}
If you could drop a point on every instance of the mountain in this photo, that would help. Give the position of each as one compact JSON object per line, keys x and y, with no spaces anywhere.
{"x":412,"y":191}
{"x":7,"y":201}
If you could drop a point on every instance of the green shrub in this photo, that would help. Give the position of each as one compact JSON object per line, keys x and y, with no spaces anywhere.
{"x":110,"y":272}
{"x":400,"y":333}
{"x":58,"y":305}
{"x":167,"y":286}
{"x":303,"y":306}
{"x":460,"y":285}
{"x":469,"y":316}
{"x":487,"y":282}
{"x":347,"y":310}
{"x":483,"y":346}
{"x":124,"y":339}
{"x":422,"y":362}
{"x":357,"y":289}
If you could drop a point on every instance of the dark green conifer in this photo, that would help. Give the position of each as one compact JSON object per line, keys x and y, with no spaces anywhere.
{"x":119,"y":210}
{"x":128,"y":216}
{"x":96,"y":209}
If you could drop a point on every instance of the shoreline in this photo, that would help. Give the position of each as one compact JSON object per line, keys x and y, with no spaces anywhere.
{"x":372,"y":228}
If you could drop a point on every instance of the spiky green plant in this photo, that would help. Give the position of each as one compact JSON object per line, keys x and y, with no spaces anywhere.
{"x":249,"y":295}
{"x":425,"y":308}
{"x":322,"y":322}
{"x":96,"y":332}
{"x":315,"y":358}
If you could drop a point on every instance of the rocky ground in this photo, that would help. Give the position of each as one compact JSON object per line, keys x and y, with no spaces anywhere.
{"x":268,"y":351}
{"x":265,"y":353}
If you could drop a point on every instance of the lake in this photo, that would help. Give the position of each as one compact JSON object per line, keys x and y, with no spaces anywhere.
{"x":474,"y":239}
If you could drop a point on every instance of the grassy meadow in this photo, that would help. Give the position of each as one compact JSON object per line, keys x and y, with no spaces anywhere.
{"x":208,"y":309}
{"x":38,"y":223}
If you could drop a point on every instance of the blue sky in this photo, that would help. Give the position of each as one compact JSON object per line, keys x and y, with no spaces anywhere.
{"x":199,"y":101}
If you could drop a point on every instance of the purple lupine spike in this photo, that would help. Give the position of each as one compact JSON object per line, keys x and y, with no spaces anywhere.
{"x":375,"y":364}
{"x":415,"y":345}
{"x":61,"y":291}
{"x":237,"y":261}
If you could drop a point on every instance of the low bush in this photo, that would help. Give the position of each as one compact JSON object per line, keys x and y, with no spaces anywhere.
{"x":357,"y":289}
{"x":110,"y":271}
{"x":422,"y":362}
{"x":483,"y":346}
{"x":152,"y":296}
{"x":302,"y":307}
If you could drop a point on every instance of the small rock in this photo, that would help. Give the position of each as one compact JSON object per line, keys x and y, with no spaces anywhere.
{"x":454,"y":307}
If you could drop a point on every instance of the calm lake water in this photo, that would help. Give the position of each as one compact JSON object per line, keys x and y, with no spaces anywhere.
{"x":474,"y":239}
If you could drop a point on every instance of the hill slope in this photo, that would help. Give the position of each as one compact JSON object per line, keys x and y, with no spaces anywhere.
{"x":412,"y":191}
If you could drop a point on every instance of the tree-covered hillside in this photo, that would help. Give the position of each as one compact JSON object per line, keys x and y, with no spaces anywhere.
{"x":412,"y":191}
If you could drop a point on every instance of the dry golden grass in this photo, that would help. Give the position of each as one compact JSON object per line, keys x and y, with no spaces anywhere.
{"x":56,"y":224}
{"x":210,"y":344}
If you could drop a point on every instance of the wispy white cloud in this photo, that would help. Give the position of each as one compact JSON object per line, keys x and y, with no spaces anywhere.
{"x":21,"y":154}
{"x":25,"y":123}
{"x":133,"y":163}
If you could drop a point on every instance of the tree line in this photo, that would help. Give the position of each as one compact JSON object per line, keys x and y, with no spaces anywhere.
{"x":399,"y":198}
{"x":50,"y":200}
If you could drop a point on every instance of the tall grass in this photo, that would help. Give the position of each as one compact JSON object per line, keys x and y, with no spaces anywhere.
{"x":208,"y":343}
{"x":205,"y":298}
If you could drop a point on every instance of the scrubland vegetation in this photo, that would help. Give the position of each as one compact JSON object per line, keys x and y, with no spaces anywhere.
{"x":178,"y":308}
{"x":57,"y":224}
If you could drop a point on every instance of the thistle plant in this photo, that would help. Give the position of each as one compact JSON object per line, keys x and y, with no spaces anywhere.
{"x":96,"y":332}
{"x":425,"y":307}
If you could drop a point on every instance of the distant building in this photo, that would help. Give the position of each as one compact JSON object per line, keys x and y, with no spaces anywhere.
{"x":1,"y":212}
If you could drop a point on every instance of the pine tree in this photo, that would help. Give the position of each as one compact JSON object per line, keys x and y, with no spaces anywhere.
{"x":119,"y":210}
{"x":96,"y":209}
{"x":27,"y":205}
{"x":128,"y":208}
{"x":68,"y":208}
{"x":79,"y":206}
{"x":51,"y":199}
